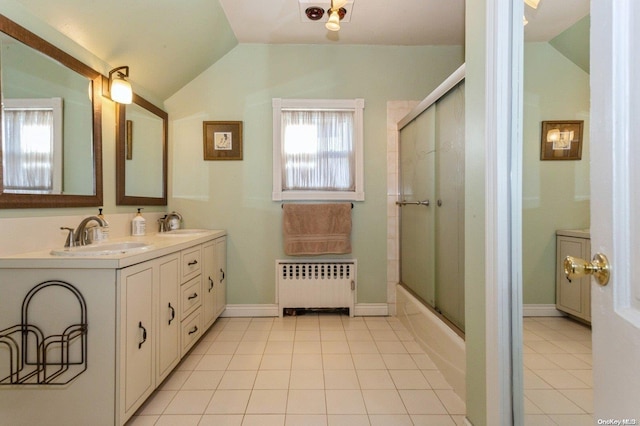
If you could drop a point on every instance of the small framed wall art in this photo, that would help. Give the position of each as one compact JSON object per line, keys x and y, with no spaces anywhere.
{"x":561,"y":140}
{"x":222,"y":140}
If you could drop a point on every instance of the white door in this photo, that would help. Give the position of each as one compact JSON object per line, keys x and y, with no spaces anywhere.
{"x":615,"y":207}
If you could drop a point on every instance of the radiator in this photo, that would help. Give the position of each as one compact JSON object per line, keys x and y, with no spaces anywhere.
{"x":314,"y":284}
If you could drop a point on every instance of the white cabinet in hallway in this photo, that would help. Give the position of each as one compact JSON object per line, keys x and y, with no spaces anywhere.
{"x":573,"y":297}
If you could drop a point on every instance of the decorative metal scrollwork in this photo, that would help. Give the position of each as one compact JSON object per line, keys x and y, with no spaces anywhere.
{"x":39,"y":359}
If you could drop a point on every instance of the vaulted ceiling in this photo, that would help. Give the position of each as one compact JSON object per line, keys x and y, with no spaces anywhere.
{"x":167,"y":43}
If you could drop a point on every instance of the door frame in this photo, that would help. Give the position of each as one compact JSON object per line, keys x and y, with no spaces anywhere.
{"x":504,"y":44}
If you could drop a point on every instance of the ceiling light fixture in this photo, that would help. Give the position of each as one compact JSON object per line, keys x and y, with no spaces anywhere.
{"x":118,"y":88}
{"x":532,"y":3}
{"x":314,"y":13}
{"x":336,"y":13}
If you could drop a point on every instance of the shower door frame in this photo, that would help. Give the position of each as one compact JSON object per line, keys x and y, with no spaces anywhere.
{"x":443,"y":89}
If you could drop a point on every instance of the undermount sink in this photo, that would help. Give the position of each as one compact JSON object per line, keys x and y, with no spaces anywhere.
{"x":183,"y":232}
{"x":102,"y":249}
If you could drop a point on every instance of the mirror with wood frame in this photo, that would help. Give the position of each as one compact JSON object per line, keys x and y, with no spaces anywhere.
{"x":51,"y":139}
{"x":141,"y":154}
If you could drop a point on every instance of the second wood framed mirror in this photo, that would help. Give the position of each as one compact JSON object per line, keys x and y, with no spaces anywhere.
{"x":141,"y":154}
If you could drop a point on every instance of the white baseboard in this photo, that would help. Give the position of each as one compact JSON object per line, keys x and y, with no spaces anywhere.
{"x":241,"y":310}
{"x":371,"y":309}
{"x":268,"y":310}
{"x":534,"y":310}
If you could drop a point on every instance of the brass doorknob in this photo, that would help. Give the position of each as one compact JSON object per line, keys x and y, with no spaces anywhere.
{"x":574,"y":267}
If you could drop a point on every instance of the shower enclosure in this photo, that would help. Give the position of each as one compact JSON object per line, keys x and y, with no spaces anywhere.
{"x":432,"y":202}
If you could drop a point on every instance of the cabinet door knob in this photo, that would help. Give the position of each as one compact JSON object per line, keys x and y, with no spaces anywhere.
{"x":193,"y":330}
{"x":193,"y":262}
{"x":193,"y":296}
{"x":210,"y":284}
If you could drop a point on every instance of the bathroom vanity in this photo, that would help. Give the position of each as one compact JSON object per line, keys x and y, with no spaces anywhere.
{"x":144,"y":308}
{"x":573,"y":297}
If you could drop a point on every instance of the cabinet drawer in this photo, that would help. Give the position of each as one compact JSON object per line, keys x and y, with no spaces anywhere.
{"x":191,"y":261}
{"x":191,"y":331}
{"x":191,"y":297}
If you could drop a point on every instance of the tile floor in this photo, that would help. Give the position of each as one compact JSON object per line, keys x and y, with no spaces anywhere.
{"x":557,"y":372}
{"x":314,"y":369}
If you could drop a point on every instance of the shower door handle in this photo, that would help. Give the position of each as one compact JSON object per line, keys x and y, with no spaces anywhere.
{"x":414,"y":203}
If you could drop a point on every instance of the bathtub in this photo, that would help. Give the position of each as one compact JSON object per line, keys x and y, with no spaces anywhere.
{"x":441,"y":343}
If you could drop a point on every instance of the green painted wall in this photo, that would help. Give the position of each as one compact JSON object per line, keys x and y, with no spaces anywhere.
{"x":474,"y":242}
{"x":555,"y":193}
{"x":574,"y":43}
{"x":236,"y":195}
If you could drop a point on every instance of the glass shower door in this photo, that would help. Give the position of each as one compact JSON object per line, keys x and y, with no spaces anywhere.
{"x":417,"y":168}
{"x":432,"y":236}
{"x":449,"y":206}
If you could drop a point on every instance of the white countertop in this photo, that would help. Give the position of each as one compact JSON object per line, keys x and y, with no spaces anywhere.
{"x":577,"y":233}
{"x":159,"y":246}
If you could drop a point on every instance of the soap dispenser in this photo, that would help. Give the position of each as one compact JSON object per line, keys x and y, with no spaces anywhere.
{"x":102,"y":231}
{"x":138,"y":225}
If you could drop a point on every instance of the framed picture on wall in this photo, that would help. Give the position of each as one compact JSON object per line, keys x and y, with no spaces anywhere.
{"x":222,"y":140}
{"x":561,"y":140}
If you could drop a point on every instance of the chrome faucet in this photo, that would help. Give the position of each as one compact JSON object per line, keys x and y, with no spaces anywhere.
{"x":168,"y":221}
{"x":79,"y":236}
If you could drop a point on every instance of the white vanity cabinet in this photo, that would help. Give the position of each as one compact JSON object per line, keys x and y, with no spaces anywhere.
{"x":168,"y":324}
{"x":573,"y":297}
{"x":191,"y":298}
{"x":221,"y":267}
{"x":150,"y":330}
{"x":137,"y":328}
{"x":214,"y":255}
{"x":144,"y":311}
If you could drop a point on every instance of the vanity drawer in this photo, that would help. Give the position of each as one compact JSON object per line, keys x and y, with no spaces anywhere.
{"x":191,"y":297}
{"x":191,"y":331}
{"x":191,"y":261}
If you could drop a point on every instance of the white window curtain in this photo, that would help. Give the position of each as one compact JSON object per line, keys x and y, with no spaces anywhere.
{"x":318,"y":150}
{"x":27,"y":147}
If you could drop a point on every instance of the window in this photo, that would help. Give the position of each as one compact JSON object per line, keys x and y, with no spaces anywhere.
{"x":32,"y":146}
{"x":318,"y":149}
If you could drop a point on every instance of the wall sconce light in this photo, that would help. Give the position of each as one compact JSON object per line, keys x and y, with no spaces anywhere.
{"x":118,"y":89}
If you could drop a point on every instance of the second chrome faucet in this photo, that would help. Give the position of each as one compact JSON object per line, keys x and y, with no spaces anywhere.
{"x":171,"y":221}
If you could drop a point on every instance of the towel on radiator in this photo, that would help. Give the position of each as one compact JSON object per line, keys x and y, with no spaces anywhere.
{"x":314,"y":229}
